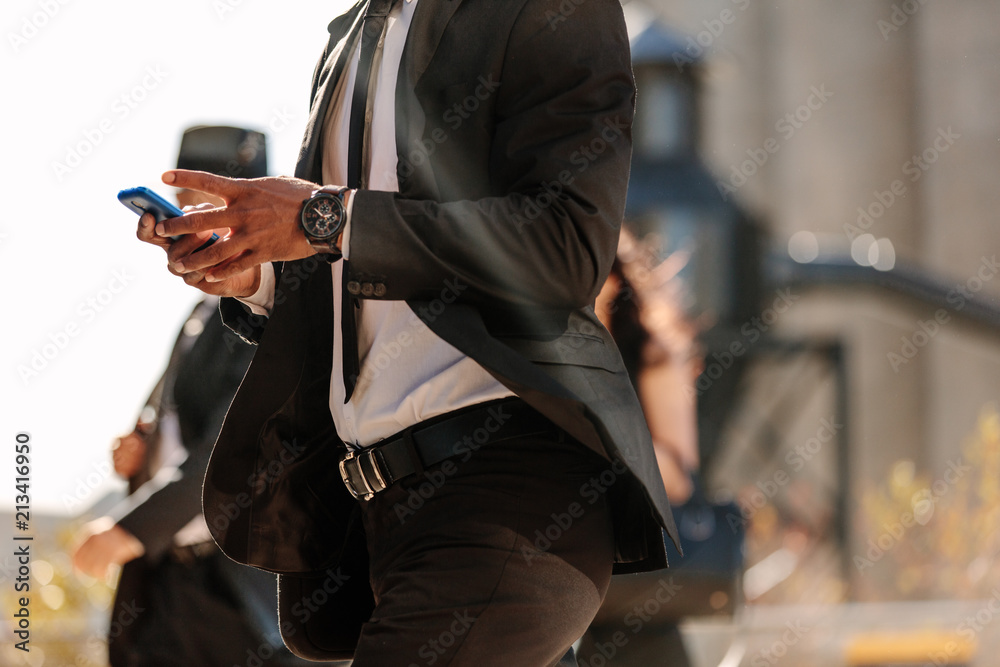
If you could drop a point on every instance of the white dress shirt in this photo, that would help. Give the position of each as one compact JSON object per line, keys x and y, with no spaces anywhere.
{"x":408,"y":374}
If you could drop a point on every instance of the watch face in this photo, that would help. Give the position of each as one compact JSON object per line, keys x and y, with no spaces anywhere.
{"x":322,"y":216}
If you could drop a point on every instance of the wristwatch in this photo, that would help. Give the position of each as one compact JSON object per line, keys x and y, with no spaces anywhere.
{"x":323,"y":218}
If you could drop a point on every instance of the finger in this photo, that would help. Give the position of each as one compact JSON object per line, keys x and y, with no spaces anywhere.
{"x":210,"y":257}
{"x":189,"y":277}
{"x":146,"y":231}
{"x":186,"y":245}
{"x":234,"y":266}
{"x":196,"y":221}
{"x":218,"y":288}
{"x":202,"y":181}
{"x":194,"y":278}
{"x":204,"y":206}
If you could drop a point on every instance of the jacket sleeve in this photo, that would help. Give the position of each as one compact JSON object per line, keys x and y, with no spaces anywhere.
{"x":166,"y":503}
{"x":558,"y":164}
{"x":238,"y":316}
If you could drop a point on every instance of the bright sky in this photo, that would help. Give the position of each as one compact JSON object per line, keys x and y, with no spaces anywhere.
{"x":104,"y":90}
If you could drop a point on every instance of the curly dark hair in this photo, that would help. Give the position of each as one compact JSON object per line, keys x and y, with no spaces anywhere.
{"x":625,"y":326}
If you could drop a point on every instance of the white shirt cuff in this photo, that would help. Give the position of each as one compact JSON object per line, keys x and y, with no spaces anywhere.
{"x":262,"y":301}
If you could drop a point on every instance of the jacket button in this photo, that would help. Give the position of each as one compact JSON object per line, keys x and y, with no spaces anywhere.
{"x":367,"y":289}
{"x":379,"y":289}
{"x":354,"y":287}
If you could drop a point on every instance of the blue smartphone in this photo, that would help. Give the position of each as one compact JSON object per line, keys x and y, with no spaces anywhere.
{"x":143,"y":200}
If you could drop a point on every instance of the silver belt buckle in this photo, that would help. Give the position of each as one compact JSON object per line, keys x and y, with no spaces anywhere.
{"x":344,"y":474}
{"x":369,"y":491}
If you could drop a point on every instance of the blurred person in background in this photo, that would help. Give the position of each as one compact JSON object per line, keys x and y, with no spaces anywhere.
{"x":641,"y":305}
{"x":179,"y":600}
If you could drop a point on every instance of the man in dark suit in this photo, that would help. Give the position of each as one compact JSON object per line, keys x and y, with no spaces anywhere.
{"x":179,"y":600}
{"x":493,"y":439}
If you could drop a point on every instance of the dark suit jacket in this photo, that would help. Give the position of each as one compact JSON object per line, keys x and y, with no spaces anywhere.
{"x":200,"y":382}
{"x":203,"y":374}
{"x":513,"y":137}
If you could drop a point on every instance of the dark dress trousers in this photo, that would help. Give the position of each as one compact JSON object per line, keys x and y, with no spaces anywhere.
{"x":513,"y":141}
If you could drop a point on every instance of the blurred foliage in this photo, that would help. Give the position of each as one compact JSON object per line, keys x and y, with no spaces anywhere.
{"x":917,"y":535}
{"x":68,"y":611}
{"x":935,"y":536}
{"x":807,"y":564}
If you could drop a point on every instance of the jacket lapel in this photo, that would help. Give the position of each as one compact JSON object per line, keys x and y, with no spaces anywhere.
{"x":430,"y":18}
{"x":344,"y":31}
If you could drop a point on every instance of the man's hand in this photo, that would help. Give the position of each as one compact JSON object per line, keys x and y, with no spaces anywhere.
{"x":129,"y":454}
{"x":261,"y":214}
{"x":104,"y":544}
{"x":242,"y":284}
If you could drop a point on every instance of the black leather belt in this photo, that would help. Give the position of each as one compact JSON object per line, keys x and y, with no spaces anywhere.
{"x":373,"y":469}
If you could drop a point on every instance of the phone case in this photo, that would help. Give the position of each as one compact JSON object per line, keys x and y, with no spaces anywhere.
{"x":142,"y":200}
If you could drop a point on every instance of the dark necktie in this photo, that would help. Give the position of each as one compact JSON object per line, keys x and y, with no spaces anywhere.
{"x":371,"y":40}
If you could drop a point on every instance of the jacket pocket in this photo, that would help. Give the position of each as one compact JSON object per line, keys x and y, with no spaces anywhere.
{"x":577,"y":349}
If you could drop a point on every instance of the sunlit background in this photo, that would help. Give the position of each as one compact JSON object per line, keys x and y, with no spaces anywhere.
{"x":831,"y":167}
{"x":95,"y":98}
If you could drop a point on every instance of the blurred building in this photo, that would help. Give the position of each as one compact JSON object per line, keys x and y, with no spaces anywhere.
{"x":864,"y":138}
